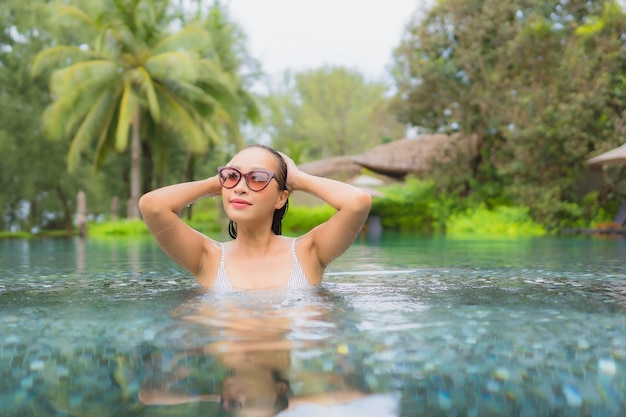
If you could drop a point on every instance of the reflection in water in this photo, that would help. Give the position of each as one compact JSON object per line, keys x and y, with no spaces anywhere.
{"x":81,"y":255}
{"x":254,"y":340}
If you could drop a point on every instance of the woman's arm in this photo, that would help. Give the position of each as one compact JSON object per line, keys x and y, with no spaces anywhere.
{"x":160,"y":210}
{"x":332,"y":238}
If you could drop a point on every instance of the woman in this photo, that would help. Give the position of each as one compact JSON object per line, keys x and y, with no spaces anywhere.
{"x":255,"y":186}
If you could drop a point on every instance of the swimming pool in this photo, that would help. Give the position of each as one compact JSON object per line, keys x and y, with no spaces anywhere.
{"x":430,"y":327}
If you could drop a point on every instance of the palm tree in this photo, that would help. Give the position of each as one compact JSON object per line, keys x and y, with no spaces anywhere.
{"x":133,"y":70}
{"x":228,"y":49}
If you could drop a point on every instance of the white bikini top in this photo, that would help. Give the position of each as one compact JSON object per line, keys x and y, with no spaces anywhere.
{"x":296,"y":280}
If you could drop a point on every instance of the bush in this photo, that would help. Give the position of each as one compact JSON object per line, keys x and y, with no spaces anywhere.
{"x":118,"y":228}
{"x":502,"y":221}
{"x":300,"y":219}
{"x":206,"y":216}
{"x":16,"y":235}
{"x":409,"y":207}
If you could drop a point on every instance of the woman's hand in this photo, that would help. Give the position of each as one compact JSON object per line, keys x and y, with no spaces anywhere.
{"x":293,"y":173}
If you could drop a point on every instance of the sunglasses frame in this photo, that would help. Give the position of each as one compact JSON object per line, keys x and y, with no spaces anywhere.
{"x":245,"y":176}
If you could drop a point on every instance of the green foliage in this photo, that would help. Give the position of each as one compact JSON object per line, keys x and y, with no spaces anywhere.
{"x":32,"y":175}
{"x":54,"y":233}
{"x":540,"y":84}
{"x":128,"y":228}
{"x":537,"y":85}
{"x":15,"y":235}
{"x":206,"y":216}
{"x":131,"y":80}
{"x":410,"y":207}
{"x":300,"y":219}
{"x":93,"y":101}
{"x":330,"y":111}
{"x":502,"y":221}
{"x":29,"y":235}
{"x":207,"y":223}
{"x":417,"y":206}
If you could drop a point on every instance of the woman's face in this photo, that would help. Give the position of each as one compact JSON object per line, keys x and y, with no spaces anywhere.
{"x":240,"y":202}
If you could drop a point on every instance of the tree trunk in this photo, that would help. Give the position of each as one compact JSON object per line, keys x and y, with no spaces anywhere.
{"x":147,"y":170}
{"x":135,"y":170}
{"x":67,"y":213}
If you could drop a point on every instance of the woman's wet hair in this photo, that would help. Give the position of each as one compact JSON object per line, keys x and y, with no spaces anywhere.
{"x":281,"y":402}
{"x":281,"y":179}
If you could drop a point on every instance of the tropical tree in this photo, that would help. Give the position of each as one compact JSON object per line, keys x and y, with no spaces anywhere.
{"x":329,"y":111}
{"x":128,"y":74}
{"x":32,"y":196}
{"x":521,"y":79}
{"x":229,"y":51}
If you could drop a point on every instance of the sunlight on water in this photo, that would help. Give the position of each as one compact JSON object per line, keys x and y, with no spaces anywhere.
{"x":423,"y":326}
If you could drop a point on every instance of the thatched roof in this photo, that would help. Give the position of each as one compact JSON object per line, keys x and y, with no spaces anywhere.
{"x":406,"y":156}
{"x":394,"y":159}
{"x":337,"y":167}
{"x":615,"y":156}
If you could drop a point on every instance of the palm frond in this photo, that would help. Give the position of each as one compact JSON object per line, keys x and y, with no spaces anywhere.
{"x":127,"y":109}
{"x":72,"y":16}
{"x":57,"y":55}
{"x":212,"y":73}
{"x":91,"y":128}
{"x":65,"y":113}
{"x":65,"y":80}
{"x":218,"y":84}
{"x":106,"y":141}
{"x":142,"y":77}
{"x":107,"y":45}
{"x":190,"y":38}
{"x":82,"y":98}
{"x":210,"y":132}
{"x":53,"y":120}
{"x":182,"y":121}
{"x":186,"y":92}
{"x":173,"y":65}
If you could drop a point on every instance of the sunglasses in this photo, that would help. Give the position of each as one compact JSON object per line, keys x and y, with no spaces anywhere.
{"x":257,"y":179}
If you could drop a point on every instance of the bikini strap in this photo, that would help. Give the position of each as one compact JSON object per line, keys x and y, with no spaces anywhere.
{"x":297,"y":278}
{"x":221,"y":280}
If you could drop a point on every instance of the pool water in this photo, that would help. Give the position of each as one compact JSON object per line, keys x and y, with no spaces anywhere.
{"x":402,"y":326}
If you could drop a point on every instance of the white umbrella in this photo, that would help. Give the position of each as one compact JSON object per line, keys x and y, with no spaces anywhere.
{"x":615,"y":156}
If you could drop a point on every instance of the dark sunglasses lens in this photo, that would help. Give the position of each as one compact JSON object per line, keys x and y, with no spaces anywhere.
{"x":257,"y":180}
{"x":229,"y":177}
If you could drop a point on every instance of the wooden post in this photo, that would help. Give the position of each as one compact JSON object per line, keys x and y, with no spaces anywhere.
{"x":115,"y":208}
{"x":81,"y":213}
{"x":374,"y":227}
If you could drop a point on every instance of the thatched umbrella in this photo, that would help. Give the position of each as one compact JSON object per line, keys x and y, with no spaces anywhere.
{"x":340,"y":167}
{"x":411,"y":156}
{"x":615,"y":156}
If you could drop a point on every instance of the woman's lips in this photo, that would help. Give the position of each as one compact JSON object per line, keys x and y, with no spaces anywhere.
{"x":239,"y":203}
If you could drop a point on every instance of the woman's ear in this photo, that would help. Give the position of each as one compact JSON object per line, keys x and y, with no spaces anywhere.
{"x":282,"y":199}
